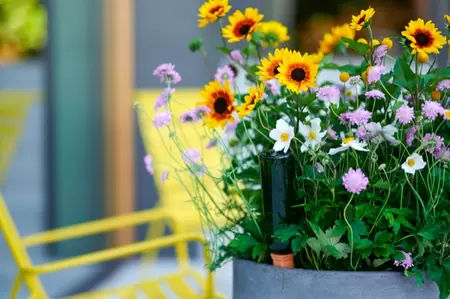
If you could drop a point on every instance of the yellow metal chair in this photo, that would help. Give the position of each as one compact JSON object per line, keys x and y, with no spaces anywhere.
{"x":13,"y":110}
{"x":28,"y":274}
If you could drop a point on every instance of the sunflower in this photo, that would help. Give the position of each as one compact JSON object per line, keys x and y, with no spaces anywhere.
{"x":242,"y":25}
{"x":298,"y":72}
{"x":362,"y":20}
{"x":269,"y":67}
{"x":274,"y":33}
{"x":423,"y":37}
{"x":220,"y":100}
{"x":254,"y":96}
{"x":316,"y":57}
{"x":211,"y":11}
{"x":447,"y":18}
{"x":330,"y":40}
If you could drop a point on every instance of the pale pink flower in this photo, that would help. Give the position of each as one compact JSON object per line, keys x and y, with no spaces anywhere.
{"x":236,"y":56}
{"x":167,"y":73}
{"x":404,"y":114}
{"x":379,"y":54}
{"x":432,"y":109}
{"x":163,"y":99}
{"x":355,"y":181}
{"x":148,"y":162}
{"x":225,"y":73}
{"x":191,"y":155}
{"x":375,"y":73}
{"x":406,"y":263}
{"x":164,"y":175}
{"x":162,"y":119}
{"x":357,"y":117}
{"x":329,"y":93}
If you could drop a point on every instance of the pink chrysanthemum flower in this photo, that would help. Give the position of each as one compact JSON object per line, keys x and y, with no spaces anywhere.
{"x":274,"y":86}
{"x":404,"y":114}
{"x":167,"y":73}
{"x":329,"y":94}
{"x":406,"y":263}
{"x":236,"y":56}
{"x":438,"y":142}
{"x":410,"y":135}
{"x":361,"y":133}
{"x":355,"y":181}
{"x":443,"y":85}
{"x":189,"y":116}
{"x":162,"y":119}
{"x":164,"y":175}
{"x":431,"y":109}
{"x":202,"y":110}
{"x":379,"y":54}
{"x":375,"y":73}
{"x":163,"y":99}
{"x":148,"y":162}
{"x":358,"y":117}
{"x":211,"y":143}
{"x":225,"y":73}
{"x":191,"y":155}
{"x":332,"y":133}
{"x":375,"y":94}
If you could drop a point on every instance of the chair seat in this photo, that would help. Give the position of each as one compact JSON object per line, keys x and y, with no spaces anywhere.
{"x":179,"y":285}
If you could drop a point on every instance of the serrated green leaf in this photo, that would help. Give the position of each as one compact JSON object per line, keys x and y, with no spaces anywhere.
{"x":430,"y":232}
{"x":332,"y":250}
{"x":366,"y":253}
{"x":381,"y":238}
{"x":364,"y":244}
{"x":315,"y":245}
{"x":382,"y":185}
{"x":298,"y":243}
{"x":286,"y":233}
{"x":224,"y":50}
{"x":359,"y":48}
{"x":339,"y":229}
{"x":359,"y":227}
{"x":382,"y":252}
{"x":259,"y":252}
{"x":403,"y":75}
{"x":242,"y":242}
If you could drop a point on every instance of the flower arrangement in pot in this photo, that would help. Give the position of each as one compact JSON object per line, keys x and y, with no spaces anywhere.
{"x":348,"y":174}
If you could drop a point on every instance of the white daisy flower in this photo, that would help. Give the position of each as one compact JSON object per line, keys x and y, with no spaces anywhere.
{"x":413,"y":163}
{"x":282,"y":134}
{"x":378,"y":134}
{"x":347,"y":143}
{"x":312,"y":134}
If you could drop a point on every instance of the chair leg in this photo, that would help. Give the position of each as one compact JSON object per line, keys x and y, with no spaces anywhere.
{"x":16,"y":286}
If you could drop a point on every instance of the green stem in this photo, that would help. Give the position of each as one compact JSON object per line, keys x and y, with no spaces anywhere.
{"x":351,"y":232}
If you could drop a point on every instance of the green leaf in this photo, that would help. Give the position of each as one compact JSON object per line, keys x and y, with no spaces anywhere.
{"x":340,"y":250}
{"x":444,"y":285}
{"x":359,"y":227}
{"x":381,"y":238}
{"x":378,"y":262}
{"x":286,"y":233}
{"x":359,"y":48}
{"x":430,"y":232}
{"x":259,"y":252}
{"x":254,"y":68}
{"x":315,"y":245}
{"x":382,"y":252}
{"x":435,"y":273}
{"x":364,"y":244}
{"x":382,"y":185}
{"x":331,"y":250}
{"x":447,"y":264}
{"x":403,"y":75}
{"x":242,"y":242}
{"x":339,"y":229}
{"x":298,"y":243}
{"x":224,"y":50}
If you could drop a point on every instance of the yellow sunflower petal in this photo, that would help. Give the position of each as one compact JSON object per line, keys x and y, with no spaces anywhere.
{"x":211,"y":11}
{"x":424,"y":37}
{"x":220,"y":100}
{"x":242,"y":25}
{"x":298,"y":72}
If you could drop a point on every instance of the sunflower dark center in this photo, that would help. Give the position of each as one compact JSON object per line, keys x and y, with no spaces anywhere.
{"x":220,"y":105}
{"x":244,"y":29}
{"x":215,"y":9}
{"x":276,"y":70}
{"x":298,"y":74}
{"x":362,"y":19}
{"x":422,"y":39}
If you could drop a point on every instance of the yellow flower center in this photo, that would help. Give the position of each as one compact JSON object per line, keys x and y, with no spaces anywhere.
{"x":312,"y":135}
{"x":284,"y":137}
{"x":411,"y":162}
{"x":447,"y":114}
{"x":348,"y":140}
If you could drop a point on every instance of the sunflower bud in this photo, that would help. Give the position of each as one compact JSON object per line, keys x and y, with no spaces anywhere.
{"x":195,"y":45}
{"x":344,"y":77}
{"x":435,"y":95}
{"x":387,"y":42}
{"x":422,"y":57}
{"x":362,"y":41}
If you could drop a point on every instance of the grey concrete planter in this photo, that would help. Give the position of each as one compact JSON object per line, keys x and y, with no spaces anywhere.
{"x":260,"y":281}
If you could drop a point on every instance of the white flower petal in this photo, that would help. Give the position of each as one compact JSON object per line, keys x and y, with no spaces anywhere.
{"x":407,"y":168}
{"x":282,"y":125}
{"x":304,"y":130}
{"x":279,"y":145}
{"x":275,"y":134}
{"x":334,"y":151}
{"x":287,"y":145}
{"x":304,"y":147}
{"x":390,"y":130}
{"x":291,"y":132}
{"x":315,"y":124}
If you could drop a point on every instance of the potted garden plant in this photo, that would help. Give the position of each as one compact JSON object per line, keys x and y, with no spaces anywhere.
{"x":337,"y":188}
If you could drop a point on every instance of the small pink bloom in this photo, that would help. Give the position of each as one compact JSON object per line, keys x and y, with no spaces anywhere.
{"x":164,"y":175}
{"x":357,"y":117}
{"x":432,"y":110}
{"x":148,"y":162}
{"x":274,"y":86}
{"x":236,"y":56}
{"x":167,"y":73}
{"x":191,"y":155}
{"x":375,"y":73}
{"x":329,"y":94}
{"x":355,"y":181}
{"x":379,"y":54}
{"x":225,"y":73}
{"x":162,"y":119}
{"x":163,"y":99}
{"x":406,"y":263}
{"x":404,"y":114}
{"x":375,"y":94}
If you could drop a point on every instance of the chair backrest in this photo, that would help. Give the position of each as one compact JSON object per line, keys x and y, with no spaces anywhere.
{"x":19,"y":252}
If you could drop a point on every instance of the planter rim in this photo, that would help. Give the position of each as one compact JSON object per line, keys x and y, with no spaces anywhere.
{"x":326,"y":272}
